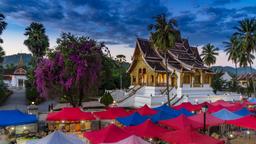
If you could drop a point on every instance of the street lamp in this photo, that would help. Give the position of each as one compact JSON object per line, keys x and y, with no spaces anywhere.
{"x":204,"y":110}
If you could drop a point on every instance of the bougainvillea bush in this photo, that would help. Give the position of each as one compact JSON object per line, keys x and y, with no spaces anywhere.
{"x":71,"y":70}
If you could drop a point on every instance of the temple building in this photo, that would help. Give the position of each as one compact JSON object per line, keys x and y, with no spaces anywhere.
{"x":18,"y":77}
{"x":189,"y":79}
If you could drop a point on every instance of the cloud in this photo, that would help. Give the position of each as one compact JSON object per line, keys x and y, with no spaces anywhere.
{"x":224,"y":2}
{"x":102,"y":19}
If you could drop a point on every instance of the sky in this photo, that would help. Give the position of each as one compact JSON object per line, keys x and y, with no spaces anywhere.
{"x":119,"y":22}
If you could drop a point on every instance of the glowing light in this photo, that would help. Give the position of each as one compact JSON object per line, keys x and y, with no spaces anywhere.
{"x":114,"y":102}
{"x":63,"y":121}
{"x":150,"y":139}
{"x":82,"y":121}
{"x":162,"y":103}
{"x":33,"y":103}
{"x":12,"y":128}
{"x":24,"y":127}
{"x":248,"y":132}
{"x":231,"y":135}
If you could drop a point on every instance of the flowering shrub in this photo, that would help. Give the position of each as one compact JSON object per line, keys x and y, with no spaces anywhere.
{"x":72,"y":69}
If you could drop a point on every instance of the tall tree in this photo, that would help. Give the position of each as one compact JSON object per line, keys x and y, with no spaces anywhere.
{"x":209,"y":54}
{"x":120,"y":59}
{"x":3,"y":25}
{"x":246,"y":31}
{"x":233,"y":50}
{"x":73,"y":69}
{"x":164,"y":34}
{"x":37,"y":41}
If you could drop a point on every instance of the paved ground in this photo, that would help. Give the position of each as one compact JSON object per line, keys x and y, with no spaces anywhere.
{"x":16,"y":101}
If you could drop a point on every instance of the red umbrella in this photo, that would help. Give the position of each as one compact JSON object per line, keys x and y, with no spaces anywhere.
{"x":147,"y":129}
{"x":244,"y":122}
{"x":181,"y":122}
{"x":210,"y":120}
{"x":187,"y":136}
{"x":112,"y":113}
{"x":145,"y":110}
{"x":188,"y":106}
{"x":222,"y":103}
{"x":70,"y":114}
{"x":109,"y":134}
{"x":214,"y":108}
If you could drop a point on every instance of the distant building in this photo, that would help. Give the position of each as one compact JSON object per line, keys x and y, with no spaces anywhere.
{"x":244,"y":79}
{"x":18,"y":77}
{"x":226,"y":77}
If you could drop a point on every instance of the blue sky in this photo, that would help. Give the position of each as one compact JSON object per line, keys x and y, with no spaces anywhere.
{"x":118,"y":22}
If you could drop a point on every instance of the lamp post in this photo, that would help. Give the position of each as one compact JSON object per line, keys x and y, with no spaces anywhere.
{"x":204,"y":109}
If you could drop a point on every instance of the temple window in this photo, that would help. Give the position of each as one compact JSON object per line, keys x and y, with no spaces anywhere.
{"x":206,"y":79}
{"x":197,"y":79}
{"x":186,"y":79}
{"x":133,"y":79}
{"x":152,"y":78}
{"x":144,"y":71}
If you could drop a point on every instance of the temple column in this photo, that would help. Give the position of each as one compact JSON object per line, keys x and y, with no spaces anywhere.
{"x":202,"y":78}
{"x":179,"y":80}
{"x":192,"y":80}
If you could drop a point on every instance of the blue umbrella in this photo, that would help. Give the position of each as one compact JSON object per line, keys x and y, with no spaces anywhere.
{"x":132,"y":120}
{"x":163,"y":115}
{"x":243,"y":112}
{"x":15,"y":117}
{"x":185,"y":112}
{"x":225,"y":114}
{"x":168,"y":109}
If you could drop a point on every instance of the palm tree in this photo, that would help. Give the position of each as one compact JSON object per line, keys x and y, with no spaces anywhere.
{"x":209,"y":54}
{"x":2,"y":53}
{"x":37,"y":41}
{"x":233,"y":48}
{"x":246,"y":31}
{"x":3,"y":25}
{"x":164,"y":34}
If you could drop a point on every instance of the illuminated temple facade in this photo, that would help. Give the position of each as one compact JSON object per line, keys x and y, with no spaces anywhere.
{"x":189,"y":79}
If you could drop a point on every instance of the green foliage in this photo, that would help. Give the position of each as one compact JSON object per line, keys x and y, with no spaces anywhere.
{"x":37,"y":41}
{"x":209,"y":54}
{"x":106,"y":99}
{"x":217,"y":83}
{"x":110,"y":75}
{"x":31,"y":92}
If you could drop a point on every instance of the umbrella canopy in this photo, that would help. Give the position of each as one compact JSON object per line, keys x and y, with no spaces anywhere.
{"x":185,"y":112}
{"x":214,"y":108}
{"x":15,"y":117}
{"x":252,"y":100}
{"x":243,"y":112}
{"x":145,"y":110}
{"x":133,"y":139}
{"x":188,"y":106}
{"x":187,"y":136}
{"x":225,"y":114}
{"x":58,"y":137}
{"x":70,"y":114}
{"x":109,"y":134}
{"x":132,"y":120}
{"x":210,"y":120}
{"x":112,"y":113}
{"x":244,"y":122}
{"x":163,"y":115}
{"x":181,"y":122}
{"x":222,"y":103}
{"x":147,"y":129}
